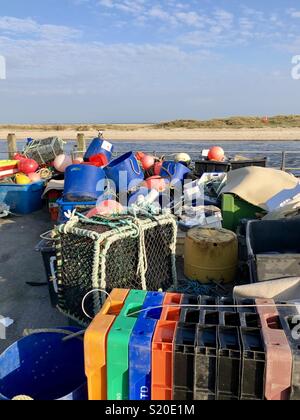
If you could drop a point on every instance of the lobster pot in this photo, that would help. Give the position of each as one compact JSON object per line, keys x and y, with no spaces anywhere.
{"x":127,"y":252}
{"x":44,"y":151}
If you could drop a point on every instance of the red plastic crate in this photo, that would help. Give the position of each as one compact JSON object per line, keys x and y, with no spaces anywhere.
{"x":279,"y":354}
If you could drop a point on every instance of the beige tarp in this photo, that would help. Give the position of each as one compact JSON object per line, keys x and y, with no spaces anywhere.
{"x":279,"y":290}
{"x":258,"y":185}
{"x":54,"y":185}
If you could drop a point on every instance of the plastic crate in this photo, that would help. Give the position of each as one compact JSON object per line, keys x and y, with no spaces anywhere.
{"x":184,"y":362}
{"x":65,"y":206}
{"x":206,"y":166}
{"x":47,"y":249}
{"x":273,"y":249}
{"x":238,"y":164}
{"x":234,"y":209}
{"x":95,"y":341}
{"x":205,"y":372}
{"x":253,"y":365}
{"x":140,"y":348}
{"x":229,"y":363}
{"x":118,"y":347}
{"x":290,"y":318}
{"x":22,"y":199}
{"x":163,"y":349}
{"x":279,"y":354}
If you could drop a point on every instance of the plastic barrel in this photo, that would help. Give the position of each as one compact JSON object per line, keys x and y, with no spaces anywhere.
{"x":176,"y":172}
{"x":81,"y":183}
{"x":44,"y":368}
{"x":99,"y":146}
{"x":125,"y":172}
{"x":211,"y":255}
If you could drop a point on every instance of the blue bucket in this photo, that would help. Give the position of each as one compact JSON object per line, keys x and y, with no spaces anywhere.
{"x":128,"y":164}
{"x":175,"y":172}
{"x":99,"y":146}
{"x":43,"y":367}
{"x":81,"y":183}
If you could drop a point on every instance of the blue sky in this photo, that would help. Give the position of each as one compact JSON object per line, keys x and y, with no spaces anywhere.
{"x":146,"y":60}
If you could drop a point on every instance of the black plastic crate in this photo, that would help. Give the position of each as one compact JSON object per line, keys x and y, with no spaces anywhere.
{"x":229,"y":363}
{"x":230,"y":319}
{"x":47,"y":249}
{"x":209,"y":318}
{"x":190,"y":315}
{"x":246,"y":305}
{"x":209,"y":302}
{"x":184,"y":362}
{"x":250,"y":320}
{"x":190,"y":300}
{"x":273,"y":249}
{"x":207,"y":166}
{"x":253,"y":364}
{"x":226,"y":305}
{"x":290,"y":321}
{"x":238,"y":164}
{"x":205,"y":363}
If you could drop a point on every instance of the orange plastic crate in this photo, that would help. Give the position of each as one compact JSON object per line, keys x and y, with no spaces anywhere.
{"x":95,"y":343}
{"x":163,"y":349}
{"x":279,"y":354}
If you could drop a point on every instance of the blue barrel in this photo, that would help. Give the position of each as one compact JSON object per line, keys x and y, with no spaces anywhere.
{"x":125,"y":172}
{"x":43,"y":367}
{"x":176,"y":172}
{"x":84,"y":183}
{"x":99,"y":146}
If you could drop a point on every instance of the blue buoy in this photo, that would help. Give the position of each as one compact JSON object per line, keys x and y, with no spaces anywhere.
{"x":44,"y":368}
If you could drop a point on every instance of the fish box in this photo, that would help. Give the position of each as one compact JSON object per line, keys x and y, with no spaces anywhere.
{"x":22,"y":199}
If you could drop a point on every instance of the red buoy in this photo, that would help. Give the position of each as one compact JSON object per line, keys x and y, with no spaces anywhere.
{"x":28,"y":166}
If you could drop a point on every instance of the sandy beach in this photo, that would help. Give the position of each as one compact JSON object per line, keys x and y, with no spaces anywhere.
{"x":147,"y":133}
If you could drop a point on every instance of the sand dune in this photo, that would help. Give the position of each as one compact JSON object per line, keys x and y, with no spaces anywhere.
{"x":147,"y":133}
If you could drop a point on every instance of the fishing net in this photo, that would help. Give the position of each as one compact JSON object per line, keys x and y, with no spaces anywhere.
{"x":130,"y":253}
{"x":44,"y":151}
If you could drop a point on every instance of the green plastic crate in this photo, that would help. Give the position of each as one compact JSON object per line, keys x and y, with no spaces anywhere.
{"x":234,"y":209}
{"x":118,"y":347}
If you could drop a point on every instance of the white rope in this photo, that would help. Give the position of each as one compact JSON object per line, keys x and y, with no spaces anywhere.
{"x":87,"y":295}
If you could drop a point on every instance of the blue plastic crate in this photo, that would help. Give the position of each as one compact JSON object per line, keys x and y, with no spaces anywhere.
{"x":22,"y":199}
{"x":140,"y":348}
{"x":65,"y":206}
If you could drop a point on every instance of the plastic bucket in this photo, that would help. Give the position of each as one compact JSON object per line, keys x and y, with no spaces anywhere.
{"x":129,"y":165}
{"x":99,"y":146}
{"x":81,"y":183}
{"x":43,"y":367}
{"x":176,"y":172}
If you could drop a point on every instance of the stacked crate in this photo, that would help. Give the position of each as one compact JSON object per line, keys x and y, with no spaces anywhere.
{"x":168,"y":346}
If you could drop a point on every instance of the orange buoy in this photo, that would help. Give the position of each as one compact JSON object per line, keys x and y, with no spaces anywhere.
{"x":216,"y":153}
{"x":140,"y":155}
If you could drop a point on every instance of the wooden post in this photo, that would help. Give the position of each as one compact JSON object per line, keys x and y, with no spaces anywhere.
{"x":11,"y":145}
{"x":81,"y":145}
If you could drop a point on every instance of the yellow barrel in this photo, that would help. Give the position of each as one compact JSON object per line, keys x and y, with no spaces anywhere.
{"x":211,"y":255}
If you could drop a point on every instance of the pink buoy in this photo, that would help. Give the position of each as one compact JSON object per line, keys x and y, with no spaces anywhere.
{"x":34,"y":177}
{"x":106,"y":208}
{"x":147,"y":162}
{"x":61,"y":163}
